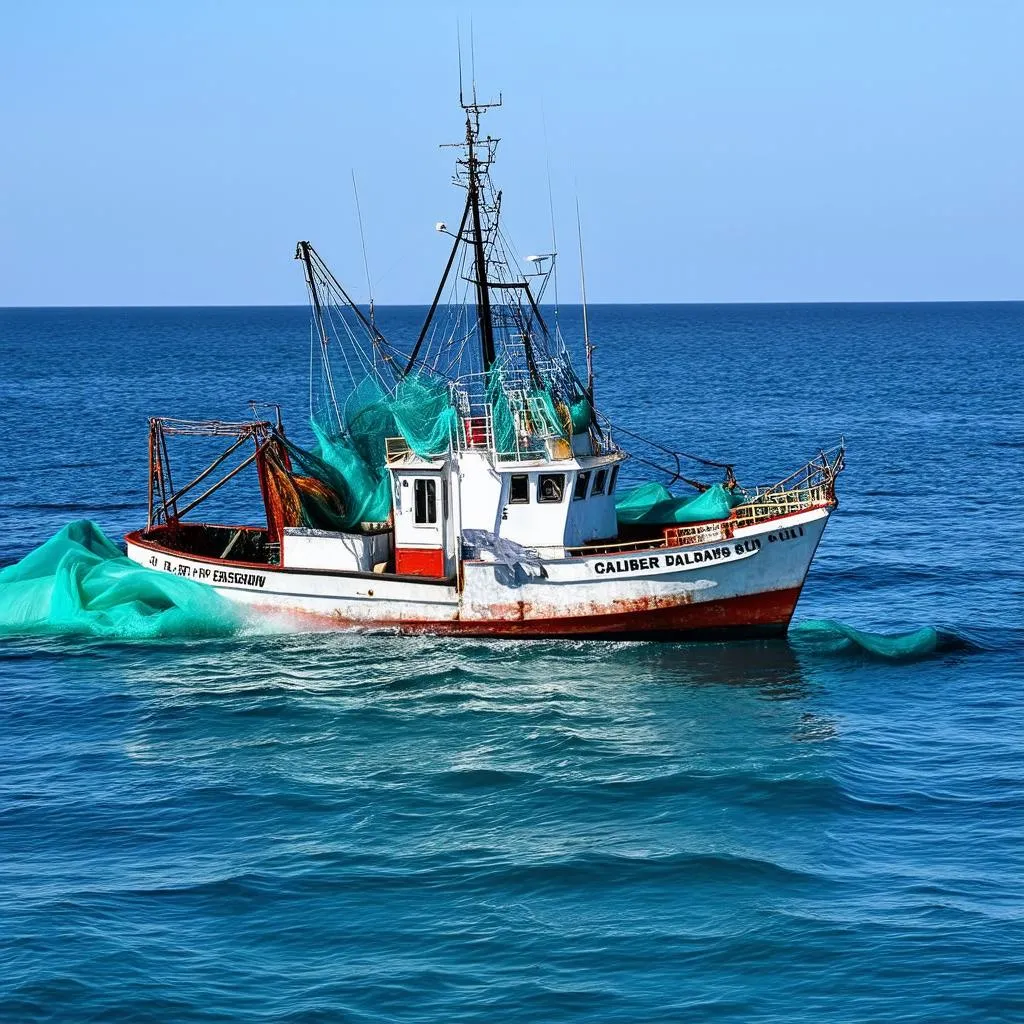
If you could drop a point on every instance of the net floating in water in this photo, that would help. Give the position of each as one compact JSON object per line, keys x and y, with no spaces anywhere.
{"x":79,"y":582}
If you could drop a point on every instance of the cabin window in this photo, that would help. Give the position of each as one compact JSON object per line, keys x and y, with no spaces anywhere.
{"x":425,"y":502}
{"x":602,"y":475}
{"x":581,"y":487}
{"x":550,"y":488}
{"x":614,"y":480}
{"x":519,"y":489}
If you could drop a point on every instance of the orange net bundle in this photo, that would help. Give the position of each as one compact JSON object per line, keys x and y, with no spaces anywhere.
{"x":295,"y":499}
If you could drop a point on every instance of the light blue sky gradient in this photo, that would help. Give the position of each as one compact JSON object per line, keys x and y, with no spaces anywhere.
{"x":173,"y":152}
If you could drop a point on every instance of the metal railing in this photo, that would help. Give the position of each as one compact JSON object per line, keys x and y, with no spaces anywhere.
{"x":699,"y":533}
{"x":531,"y":432}
{"x":820,"y":471}
{"x":772,"y":504}
{"x":810,"y":487}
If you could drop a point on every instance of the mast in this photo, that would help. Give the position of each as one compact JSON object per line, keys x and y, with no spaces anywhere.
{"x":307,"y":254}
{"x":483,"y":295}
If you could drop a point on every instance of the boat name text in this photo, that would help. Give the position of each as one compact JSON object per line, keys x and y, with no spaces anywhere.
{"x":701,"y":556}
{"x":214,"y":576}
{"x":663,"y":561}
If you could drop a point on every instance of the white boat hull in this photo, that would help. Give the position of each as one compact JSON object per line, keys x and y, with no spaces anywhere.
{"x":746,"y":585}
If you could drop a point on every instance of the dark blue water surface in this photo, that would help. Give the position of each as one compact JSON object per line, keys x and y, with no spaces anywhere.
{"x":290,"y":827}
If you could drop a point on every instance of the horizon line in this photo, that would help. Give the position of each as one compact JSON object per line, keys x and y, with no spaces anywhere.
{"x":544,"y":305}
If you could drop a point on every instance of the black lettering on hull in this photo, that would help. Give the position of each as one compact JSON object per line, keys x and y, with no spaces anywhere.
{"x":242,"y":579}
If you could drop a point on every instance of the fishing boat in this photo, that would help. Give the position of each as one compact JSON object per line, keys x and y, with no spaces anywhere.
{"x":468,"y":483}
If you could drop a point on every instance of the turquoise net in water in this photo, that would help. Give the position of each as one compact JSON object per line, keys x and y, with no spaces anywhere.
{"x":830,"y":636}
{"x":79,"y":582}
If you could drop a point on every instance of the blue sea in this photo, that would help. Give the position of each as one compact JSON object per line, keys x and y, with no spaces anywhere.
{"x":262,"y":825}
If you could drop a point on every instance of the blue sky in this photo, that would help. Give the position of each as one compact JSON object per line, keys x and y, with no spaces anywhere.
{"x":172,"y":153}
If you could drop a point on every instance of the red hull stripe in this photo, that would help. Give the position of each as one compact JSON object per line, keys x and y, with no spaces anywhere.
{"x":732,"y":618}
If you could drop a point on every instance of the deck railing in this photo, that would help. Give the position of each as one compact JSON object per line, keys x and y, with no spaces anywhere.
{"x":772,"y":504}
{"x":532,"y":436}
{"x":802,"y":500}
{"x":812,"y":486}
{"x":698,"y":533}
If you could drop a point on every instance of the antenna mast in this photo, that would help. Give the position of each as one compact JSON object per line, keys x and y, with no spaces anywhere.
{"x":473,"y":165}
{"x":477,"y":168}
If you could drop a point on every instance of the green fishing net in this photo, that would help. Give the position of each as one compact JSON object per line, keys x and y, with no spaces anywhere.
{"x":420,"y":411}
{"x":542,"y":408}
{"x":654,"y":504}
{"x":830,"y":636}
{"x":79,"y":582}
{"x":581,"y":414}
{"x":425,"y":416}
{"x":503,"y":423}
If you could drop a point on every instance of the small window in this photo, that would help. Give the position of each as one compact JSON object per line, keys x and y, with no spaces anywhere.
{"x":425,"y":500}
{"x":614,"y":480}
{"x":602,"y":475}
{"x":550,"y":488}
{"x":581,"y":487}
{"x":519,"y":489}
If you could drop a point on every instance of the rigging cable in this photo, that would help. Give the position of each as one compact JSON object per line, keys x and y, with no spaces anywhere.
{"x":362,"y":242}
{"x":583,"y":288}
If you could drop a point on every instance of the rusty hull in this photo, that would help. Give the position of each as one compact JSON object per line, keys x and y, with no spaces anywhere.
{"x":647,"y":618}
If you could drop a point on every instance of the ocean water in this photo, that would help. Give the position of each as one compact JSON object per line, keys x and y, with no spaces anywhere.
{"x":275,"y":826}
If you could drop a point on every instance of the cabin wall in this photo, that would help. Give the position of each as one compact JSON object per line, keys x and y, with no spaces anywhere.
{"x":568,"y":522}
{"x":473,"y":494}
{"x":303,"y":548}
{"x":590,"y":519}
{"x":480,"y":493}
{"x":533,"y":523}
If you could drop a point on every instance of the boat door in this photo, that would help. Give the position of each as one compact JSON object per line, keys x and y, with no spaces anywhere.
{"x":421,"y":520}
